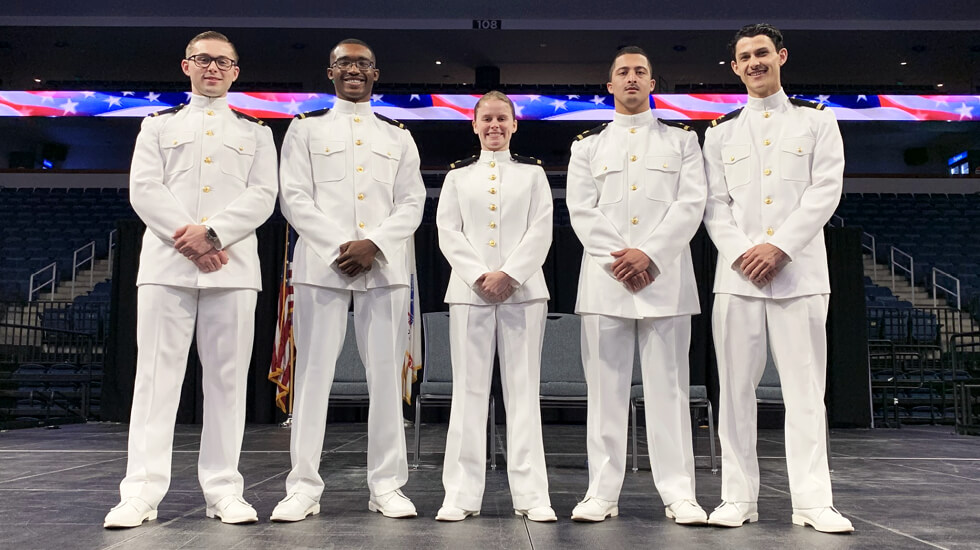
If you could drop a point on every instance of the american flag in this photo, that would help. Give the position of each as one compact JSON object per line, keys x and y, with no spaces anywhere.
{"x":284,"y":354}
{"x":413,"y":354}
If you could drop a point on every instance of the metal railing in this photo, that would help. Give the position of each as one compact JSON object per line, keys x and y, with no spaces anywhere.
{"x":112,"y":245}
{"x":836,"y":218}
{"x":52,"y":281}
{"x":936,"y":287}
{"x":52,"y":332}
{"x":865,"y":236}
{"x":76,"y":263}
{"x":910,"y":270}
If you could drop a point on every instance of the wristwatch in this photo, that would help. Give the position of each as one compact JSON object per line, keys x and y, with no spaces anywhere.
{"x":212,"y":238}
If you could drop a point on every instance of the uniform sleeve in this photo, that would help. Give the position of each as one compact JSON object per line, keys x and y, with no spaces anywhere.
{"x":528,"y":256}
{"x":597,"y":234}
{"x":457,"y":249}
{"x":251,"y":208}
{"x":318,"y":230}
{"x":152,"y":200}
{"x":675,"y":231}
{"x":408,"y":196}
{"x":819,"y":200}
{"x":719,"y":219}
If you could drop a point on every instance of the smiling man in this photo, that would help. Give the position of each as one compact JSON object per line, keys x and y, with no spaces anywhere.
{"x":203,"y":178}
{"x":775,"y":173}
{"x":636,"y":193}
{"x":352,"y":189}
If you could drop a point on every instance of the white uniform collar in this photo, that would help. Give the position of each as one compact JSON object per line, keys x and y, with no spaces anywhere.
{"x":494,"y":156}
{"x":204,"y":102}
{"x":640,"y":119}
{"x":350,"y":108}
{"x":771,"y":103}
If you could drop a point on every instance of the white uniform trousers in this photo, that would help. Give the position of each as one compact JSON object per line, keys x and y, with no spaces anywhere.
{"x":607,"y":354}
{"x":320,"y":323}
{"x":476,"y":333}
{"x":164,"y":330}
{"x":798,"y":340}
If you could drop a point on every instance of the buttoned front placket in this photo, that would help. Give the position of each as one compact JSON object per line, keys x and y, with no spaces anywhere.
{"x":766,"y":119}
{"x":360,"y":122}
{"x":637,"y":132}
{"x":488,"y":171}
{"x":210,"y":115}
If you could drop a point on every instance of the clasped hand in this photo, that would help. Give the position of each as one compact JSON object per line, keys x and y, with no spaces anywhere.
{"x":630,"y":268}
{"x":191,"y":241}
{"x":761,"y":263}
{"x":495,"y":286}
{"x":356,"y":257}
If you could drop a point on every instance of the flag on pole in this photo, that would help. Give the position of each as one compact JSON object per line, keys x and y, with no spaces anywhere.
{"x":284,"y":352}
{"x":413,"y":353}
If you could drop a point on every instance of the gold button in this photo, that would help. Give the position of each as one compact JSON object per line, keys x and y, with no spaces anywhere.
{"x":799,"y":149}
{"x":492,"y":164}
{"x":208,"y":133}
{"x":361,"y":225}
{"x":732,"y":158}
{"x":492,"y":243}
{"x":204,"y":219}
{"x":768,"y":200}
{"x":207,"y":160}
{"x":493,"y":207}
{"x":632,"y":158}
{"x":632,"y":130}
{"x":360,"y":196}
{"x":389,"y":153}
{"x":493,"y":225}
{"x":493,"y":177}
{"x":326,"y":149}
{"x":766,"y":142}
{"x":633,"y":188}
{"x":175,"y":142}
{"x":358,"y":142}
{"x":767,"y":171}
{"x":210,"y":112}
{"x":603,"y":167}
{"x":207,"y":189}
{"x":665,"y":165}
{"x":635,"y":221}
{"x":240,"y":148}
{"x":769,"y":231}
{"x":493,"y":190}
{"x":360,"y":168}
{"x":357,"y":119}
{"x":766,"y":114}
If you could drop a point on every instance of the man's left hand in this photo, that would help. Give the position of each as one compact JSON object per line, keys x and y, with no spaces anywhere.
{"x":629,"y":262}
{"x":191,"y":241}
{"x":761,"y":263}
{"x":356,"y":257}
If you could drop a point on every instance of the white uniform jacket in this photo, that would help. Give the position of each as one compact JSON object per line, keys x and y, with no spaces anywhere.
{"x":346,"y":175}
{"x":775,"y":173}
{"x":495,"y":214}
{"x":637,"y":183}
{"x":202,"y":164}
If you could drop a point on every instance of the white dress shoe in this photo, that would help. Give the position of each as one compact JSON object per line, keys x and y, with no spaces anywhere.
{"x":734,"y":514}
{"x":538,"y":513}
{"x":295,"y":507}
{"x":449,"y":513}
{"x":825,"y":520}
{"x":131,"y":512}
{"x":686,"y":512}
{"x":393,"y":504}
{"x":232,"y":509}
{"x":594,"y":509}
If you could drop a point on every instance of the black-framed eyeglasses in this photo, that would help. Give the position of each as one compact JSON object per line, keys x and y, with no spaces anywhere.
{"x":345,"y":64}
{"x":204,"y":61}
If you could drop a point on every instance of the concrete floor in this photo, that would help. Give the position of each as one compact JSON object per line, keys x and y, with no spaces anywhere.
{"x":917,"y":487}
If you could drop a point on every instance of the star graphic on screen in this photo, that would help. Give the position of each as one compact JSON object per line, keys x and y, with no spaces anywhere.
{"x":518,"y":110}
{"x":572,"y":96}
{"x":533,"y":98}
{"x":964,"y":111}
{"x":823,"y":98}
{"x":415,"y":97}
{"x":558,"y":104}
{"x":152,"y":97}
{"x":112,"y":100}
{"x":45,"y":98}
{"x":376,"y":97}
{"x":68,"y":106}
{"x":88,"y":95}
{"x":128,"y":93}
{"x":941,"y":101}
{"x":189,"y":96}
{"x":293,"y":107}
{"x":599,"y":100}
{"x":312,"y":96}
{"x":862,"y":97}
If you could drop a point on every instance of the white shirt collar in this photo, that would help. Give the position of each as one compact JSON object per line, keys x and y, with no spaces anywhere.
{"x":204,"y":102}
{"x":640,"y":119}
{"x":771,"y":103}
{"x":487,"y":156}
{"x":350,"y":108}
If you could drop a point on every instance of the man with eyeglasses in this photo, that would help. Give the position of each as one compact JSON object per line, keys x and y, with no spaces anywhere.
{"x":351,"y":187}
{"x":203,"y":178}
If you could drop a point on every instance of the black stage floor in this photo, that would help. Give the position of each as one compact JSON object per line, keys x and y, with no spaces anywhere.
{"x":916,"y":487}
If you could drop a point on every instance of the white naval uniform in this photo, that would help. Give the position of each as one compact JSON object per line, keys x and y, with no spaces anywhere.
{"x":495,"y":214}
{"x":638,"y":183}
{"x":200,"y":164}
{"x":775,"y":174}
{"x":348,"y":175}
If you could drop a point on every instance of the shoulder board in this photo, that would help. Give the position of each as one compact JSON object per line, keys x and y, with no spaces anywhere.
{"x":463,"y":162}
{"x":805,"y":103}
{"x":391,"y":121}
{"x":318,"y":112}
{"x":525,"y":160}
{"x":169,"y":111}
{"x":676,"y":124}
{"x":249,"y":118}
{"x":730,"y":116}
{"x":593,"y":131}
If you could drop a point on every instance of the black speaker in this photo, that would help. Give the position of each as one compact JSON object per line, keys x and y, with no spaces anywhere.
{"x":916,"y":156}
{"x":487,"y":78}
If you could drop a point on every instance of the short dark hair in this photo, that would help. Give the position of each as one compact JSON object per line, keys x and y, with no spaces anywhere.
{"x":355,"y":42}
{"x":628,"y":50}
{"x":755,"y":29}
{"x":209,"y":35}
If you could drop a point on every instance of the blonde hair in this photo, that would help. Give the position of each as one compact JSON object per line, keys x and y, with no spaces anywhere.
{"x":494,"y":94}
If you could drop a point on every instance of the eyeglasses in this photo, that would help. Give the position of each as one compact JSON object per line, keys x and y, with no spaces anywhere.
{"x":204,"y":61}
{"x":345,"y":64}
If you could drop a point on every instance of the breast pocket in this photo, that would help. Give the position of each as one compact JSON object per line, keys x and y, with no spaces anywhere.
{"x":327,"y":160}
{"x":663,"y":173}
{"x":384,"y":162}
{"x":796,"y":156}
{"x":178,"y":153}
{"x":738,"y":165}
{"x":237,"y":156}
{"x":608,"y":175}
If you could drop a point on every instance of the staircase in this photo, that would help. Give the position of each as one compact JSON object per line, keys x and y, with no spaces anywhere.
{"x":63,"y":293}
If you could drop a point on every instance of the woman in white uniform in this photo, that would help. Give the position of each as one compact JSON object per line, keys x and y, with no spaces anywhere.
{"x":495,"y":228}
